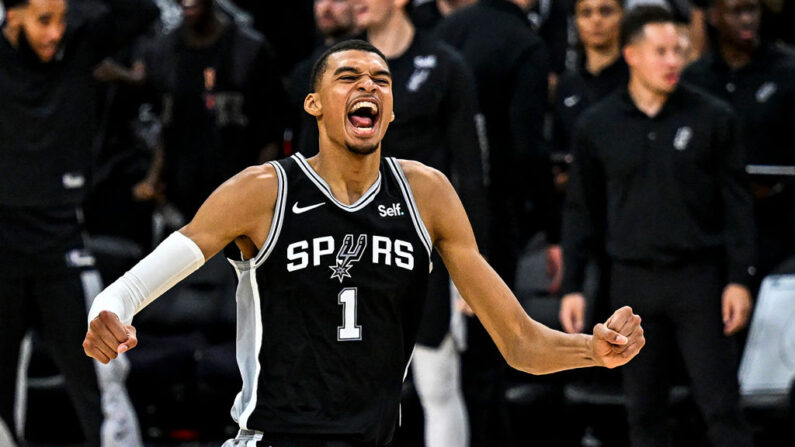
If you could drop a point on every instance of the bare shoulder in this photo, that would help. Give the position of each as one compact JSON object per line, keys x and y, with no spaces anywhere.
{"x":423,"y":178}
{"x":433,"y":193}
{"x":241,"y":207}
{"x":255,"y":187}
{"x":262,"y":178}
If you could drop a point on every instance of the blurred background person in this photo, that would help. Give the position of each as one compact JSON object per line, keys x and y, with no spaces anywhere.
{"x":601,"y":71}
{"x":689,"y":15}
{"x":49,"y":103}
{"x":222,"y":105}
{"x":511,"y":68}
{"x":658,"y":181}
{"x":756,"y":78}
{"x":435,"y":110}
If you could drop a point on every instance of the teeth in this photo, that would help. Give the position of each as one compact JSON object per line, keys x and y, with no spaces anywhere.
{"x":373,"y":108}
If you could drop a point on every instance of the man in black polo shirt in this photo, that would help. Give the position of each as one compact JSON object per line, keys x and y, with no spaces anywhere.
{"x":757,"y":80}
{"x":47,"y":124}
{"x":659,"y":180}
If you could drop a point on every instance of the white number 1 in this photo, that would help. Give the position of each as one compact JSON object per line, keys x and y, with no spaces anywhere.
{"x":349,"y":329}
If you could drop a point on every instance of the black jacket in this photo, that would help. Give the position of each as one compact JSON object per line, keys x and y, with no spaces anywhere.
{"x":47,"y":117}
{"x":214,"y":126}
{"x":511,"y":67}
{"x":658,"y":191}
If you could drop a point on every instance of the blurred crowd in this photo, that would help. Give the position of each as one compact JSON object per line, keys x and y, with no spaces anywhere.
{"x":512,"y":99}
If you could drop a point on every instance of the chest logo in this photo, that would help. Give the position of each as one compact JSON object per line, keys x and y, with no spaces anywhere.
{"x":571,"y":101}
{"x":390,"y":211}
{"x":766,"y":91}
{"x":682,"y":138}
{"x":302,"y":209}
{"x":347,"y":255}
{"x":422,"y":69}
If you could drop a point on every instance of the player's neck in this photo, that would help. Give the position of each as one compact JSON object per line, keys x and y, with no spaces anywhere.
{"x":646,"y":99}
{"x":734,"y":56}
{"x":394,"y":36}
{"x":349,"y":175}
{"x":599,"y":58}
{"x":206,"y":32}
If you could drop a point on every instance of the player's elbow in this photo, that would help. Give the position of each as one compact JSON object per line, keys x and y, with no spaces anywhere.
{"x":519,"y":355}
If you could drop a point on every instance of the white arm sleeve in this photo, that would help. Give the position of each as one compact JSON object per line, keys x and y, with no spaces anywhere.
{"x":171,"y":262}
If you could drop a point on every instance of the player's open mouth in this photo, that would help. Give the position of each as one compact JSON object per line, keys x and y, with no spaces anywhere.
{"x":363,"y":116}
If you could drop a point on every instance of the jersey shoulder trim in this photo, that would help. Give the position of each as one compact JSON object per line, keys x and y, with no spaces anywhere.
{"x":324,"y":188}
{"x":276,"y":223}
{"x":419,"y":225}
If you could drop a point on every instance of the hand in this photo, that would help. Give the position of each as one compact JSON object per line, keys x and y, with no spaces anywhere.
{"x":107,"y":337}
{"x":618,"y":340}
{"x":145,"y":191}
{"x":736,"y":308}
{"x":554,"y":267}
{"x":572,"y":313}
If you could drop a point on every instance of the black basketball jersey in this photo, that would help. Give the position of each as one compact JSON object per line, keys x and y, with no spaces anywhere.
{"x":329,"y":308}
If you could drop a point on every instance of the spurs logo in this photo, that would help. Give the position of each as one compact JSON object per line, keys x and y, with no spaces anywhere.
{"x":422,"y":69}
{"x":682,"y":138}
{"x":766,"y":91}
{"x":347,"y":255}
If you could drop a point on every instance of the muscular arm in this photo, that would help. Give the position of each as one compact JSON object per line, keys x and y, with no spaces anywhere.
{"x":526,"y":344}
{"x":240,"y":210}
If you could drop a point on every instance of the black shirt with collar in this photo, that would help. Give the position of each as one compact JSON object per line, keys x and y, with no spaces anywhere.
{"x":579,"y":89}
{"x":662,"y":190}
{"x":763,"y":95}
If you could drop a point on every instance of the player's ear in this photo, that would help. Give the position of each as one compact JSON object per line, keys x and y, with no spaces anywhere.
{"x":14,"y":18}
{"x":312,"y":105}
{"x":393,"y":117}
{"x":629,"y":54}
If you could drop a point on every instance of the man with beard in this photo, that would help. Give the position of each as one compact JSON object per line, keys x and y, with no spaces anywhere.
{"x":47,"y":126}
{"x":334,"y":256}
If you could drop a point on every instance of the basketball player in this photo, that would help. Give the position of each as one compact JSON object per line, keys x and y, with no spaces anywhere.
{"x":334,"y":264}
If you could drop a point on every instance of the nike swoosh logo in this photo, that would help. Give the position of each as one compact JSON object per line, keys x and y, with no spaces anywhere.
{"x":298,"y":210}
